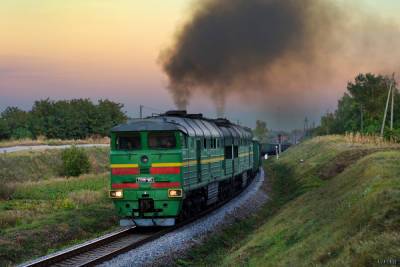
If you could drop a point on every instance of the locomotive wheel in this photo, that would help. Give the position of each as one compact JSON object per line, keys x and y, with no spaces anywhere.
{"x":186,"y":210}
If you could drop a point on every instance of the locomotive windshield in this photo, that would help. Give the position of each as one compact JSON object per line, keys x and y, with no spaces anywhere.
{"x":162,"y":140}
{"x":128,"y":142}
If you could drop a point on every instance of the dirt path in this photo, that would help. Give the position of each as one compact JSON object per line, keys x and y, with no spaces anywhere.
{"x":43,"y":147}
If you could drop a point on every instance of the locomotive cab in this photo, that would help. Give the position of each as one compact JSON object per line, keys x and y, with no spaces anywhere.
{"x":146,"y":180}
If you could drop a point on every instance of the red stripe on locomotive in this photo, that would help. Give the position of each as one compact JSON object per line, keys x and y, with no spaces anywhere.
{"x":166,"y":184}
{"x":125,"y":185}
{"x":125,"y":171}
{"x":165,"y":170}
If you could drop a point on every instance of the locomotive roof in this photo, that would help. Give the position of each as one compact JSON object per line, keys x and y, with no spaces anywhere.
{"x":139,"y":125}
{"x":190,"y":124}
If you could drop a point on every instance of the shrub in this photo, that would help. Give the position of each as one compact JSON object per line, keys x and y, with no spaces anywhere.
{"x":75,"y":162}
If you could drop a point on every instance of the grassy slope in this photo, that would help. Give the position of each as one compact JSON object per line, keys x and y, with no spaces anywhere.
{"x":45,"y":212}
{"x":340,"y":207}
{"x":39,"y":165}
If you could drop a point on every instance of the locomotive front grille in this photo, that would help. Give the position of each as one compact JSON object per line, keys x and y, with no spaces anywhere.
{"x":145,"y":170}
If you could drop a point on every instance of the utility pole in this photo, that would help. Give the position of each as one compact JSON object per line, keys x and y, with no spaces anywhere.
{"x":362,"y":119}
{"x":141,"y":111}
{"x":387,"y":105}
{"x":305,"y":126}
{"x":279,"y":143}
{"x":391,"y":111}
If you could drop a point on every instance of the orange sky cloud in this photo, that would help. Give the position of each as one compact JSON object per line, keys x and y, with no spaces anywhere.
{"x":101,"y":49}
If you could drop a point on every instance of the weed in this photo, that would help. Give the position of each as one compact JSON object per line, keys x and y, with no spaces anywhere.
{"x":370,"y":139}
{"x":10,"y":218}
{"x":6,"y":191}
{"x":85,"y":197}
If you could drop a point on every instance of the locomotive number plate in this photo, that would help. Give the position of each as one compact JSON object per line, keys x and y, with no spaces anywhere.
{"x":145,"y":179}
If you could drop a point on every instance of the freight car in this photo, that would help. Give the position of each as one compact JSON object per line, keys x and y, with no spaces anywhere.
{"x":171,"y":166}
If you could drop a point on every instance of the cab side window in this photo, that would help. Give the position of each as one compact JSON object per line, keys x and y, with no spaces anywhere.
{"x":236,"y":151}
{"x":184,"y":139}
{"x":228,"y":152}
{"x":162,"y":140}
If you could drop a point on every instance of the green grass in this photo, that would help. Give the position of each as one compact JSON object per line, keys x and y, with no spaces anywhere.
{"x":59,"y":188}
{"x":47,"y":215}
{"x":332,"y":204}
{"x":42,"y":212}
{"x":39,"y":165}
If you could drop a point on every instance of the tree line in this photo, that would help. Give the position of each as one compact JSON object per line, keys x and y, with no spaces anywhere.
{"x":361,"y":108}
{"x":64,"y":119}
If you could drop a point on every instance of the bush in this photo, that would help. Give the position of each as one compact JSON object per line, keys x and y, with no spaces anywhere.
{"x":75,"y":162}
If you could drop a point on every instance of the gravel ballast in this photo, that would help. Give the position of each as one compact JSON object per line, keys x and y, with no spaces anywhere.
{"x":173,"y":245}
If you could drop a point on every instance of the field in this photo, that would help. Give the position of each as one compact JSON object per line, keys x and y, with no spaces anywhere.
{"x":334,"y":202}
{"x":41,"y":212}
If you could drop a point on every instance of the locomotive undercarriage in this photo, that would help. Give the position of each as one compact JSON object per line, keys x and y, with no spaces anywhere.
{"x":196,"y":201}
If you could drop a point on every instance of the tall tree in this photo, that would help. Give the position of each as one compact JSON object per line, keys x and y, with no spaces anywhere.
{"x":75,"y":119}
{"x":361,"y":108}
{"x":369,"y":92}
{"x":109,"y":114}
{"x":4,"y":129}
{"x":17,"y":121}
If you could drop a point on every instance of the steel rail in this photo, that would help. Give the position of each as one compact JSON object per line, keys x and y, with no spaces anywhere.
{"x":111,"y":245}
{"x":78,"y":249}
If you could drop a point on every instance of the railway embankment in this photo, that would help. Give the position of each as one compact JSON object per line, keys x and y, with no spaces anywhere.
{"x":41,"y":211}
{"x":333,"y":201}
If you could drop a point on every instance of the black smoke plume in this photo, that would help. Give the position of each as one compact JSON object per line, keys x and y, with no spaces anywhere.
{"x":245,"y":46}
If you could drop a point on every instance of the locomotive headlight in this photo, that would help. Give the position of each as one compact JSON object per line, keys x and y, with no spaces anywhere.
{"x":116,"y":194}
{"x":175,"y":192}
{"x":144,"y":159}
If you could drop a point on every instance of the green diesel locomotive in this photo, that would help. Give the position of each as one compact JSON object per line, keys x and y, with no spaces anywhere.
{"x":171,"y":166}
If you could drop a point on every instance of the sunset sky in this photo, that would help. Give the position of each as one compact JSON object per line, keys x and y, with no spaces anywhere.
{"x":63,"y":49}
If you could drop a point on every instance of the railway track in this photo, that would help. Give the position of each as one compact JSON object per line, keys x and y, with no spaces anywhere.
{"x":111,"y":245}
